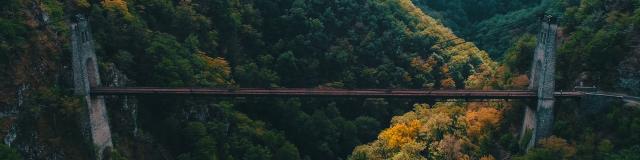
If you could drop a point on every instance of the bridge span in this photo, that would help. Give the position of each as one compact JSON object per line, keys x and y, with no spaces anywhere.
{"x":319,"y":92}
{"x":538,"y":119}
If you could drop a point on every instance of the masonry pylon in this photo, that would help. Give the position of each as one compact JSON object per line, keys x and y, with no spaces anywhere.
{"x":85,"y":76}
{"x":538,"y":121}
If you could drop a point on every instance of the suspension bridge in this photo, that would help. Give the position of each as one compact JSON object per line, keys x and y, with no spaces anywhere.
{"x":538,"y":117}
{"x":318,"y":92}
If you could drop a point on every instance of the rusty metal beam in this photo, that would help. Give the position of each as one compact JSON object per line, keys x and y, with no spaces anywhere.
{"x":316,"y":92}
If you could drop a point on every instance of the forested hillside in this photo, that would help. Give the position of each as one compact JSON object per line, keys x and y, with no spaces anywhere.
{"x":346,"y":44}
{"x":593,"y":33}
{"x":492,"y":24}
{"x":591,"y":28}
{"x":208,"y":43}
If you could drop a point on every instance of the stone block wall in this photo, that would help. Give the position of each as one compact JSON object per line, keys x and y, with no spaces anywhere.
{"x":85,"y":75}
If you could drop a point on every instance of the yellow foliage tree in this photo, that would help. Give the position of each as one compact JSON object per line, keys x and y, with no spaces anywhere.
{"x":486,"y":77}
{"x":424,"y":66}
{"x":436,"y":124}
{"x":400,"y":134}
{"x":460,"y":54}
{"x":448,"y":83}
{"x":117,"y":6}
{"x":444,"y":125}
{"x":120,"y":5}
{"x":214,"y":71}
{"x":441,"y":127}
{"x":487,"y":157}
{"x":410,"y":151}
{"x":445,"y":69}
{"x":373,"y":151}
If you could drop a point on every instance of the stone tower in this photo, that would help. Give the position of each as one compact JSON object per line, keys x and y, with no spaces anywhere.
{"x":85,"y":76}
{"x":538,"y":121}
{"x":544,"y":80}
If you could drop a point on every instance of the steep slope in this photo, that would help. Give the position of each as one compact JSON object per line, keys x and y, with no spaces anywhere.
{"x":599,"y":39}
{"x":341,"y":44}
{"x":491,"y":24}
{"x":597,"y":46}
{"x":460,"y":15}
{"x":224,"y":43}
{"x":454,"y":130}
{"x":458,"y":54}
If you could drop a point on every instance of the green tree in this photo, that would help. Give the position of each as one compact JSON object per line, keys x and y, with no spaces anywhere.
{"x":8,"y":153}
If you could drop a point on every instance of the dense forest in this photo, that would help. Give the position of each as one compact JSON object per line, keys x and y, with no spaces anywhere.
{"x":347,"y":44}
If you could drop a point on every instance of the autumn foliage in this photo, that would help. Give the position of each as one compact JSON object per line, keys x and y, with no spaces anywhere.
{"x":400,"y":134}
{"x":558,"y":145}
{"x":117,"y":6}
{"x":481,"y":119}
{"x":439,"y":130}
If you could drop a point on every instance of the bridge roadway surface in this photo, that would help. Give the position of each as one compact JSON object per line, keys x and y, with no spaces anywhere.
{"x":317,"y":92}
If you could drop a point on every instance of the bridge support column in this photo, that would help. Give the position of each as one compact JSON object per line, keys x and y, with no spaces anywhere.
{"x":538,"y":121}
{"x":85,"y":75}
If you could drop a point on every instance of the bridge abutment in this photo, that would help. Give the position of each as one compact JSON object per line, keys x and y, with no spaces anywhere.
{"x":86,"y":75}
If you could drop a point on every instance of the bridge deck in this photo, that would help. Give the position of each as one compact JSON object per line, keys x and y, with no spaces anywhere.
{"x":316,"y":92}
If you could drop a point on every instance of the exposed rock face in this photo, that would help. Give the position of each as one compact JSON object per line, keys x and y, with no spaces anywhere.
{"x":11,"y":112}
{"x":24,"y":126}
{"x":629,"y":71}
{"x":123,"y":109}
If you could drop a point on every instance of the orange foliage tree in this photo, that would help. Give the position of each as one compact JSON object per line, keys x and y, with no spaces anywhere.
{"x":480,"y":119}
{"x":520,"y":82}
{"x":212,"y":71}
{"x":444,"y":129}
{"x":118,"y":6}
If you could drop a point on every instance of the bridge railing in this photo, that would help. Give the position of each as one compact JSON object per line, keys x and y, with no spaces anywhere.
{"x":323,"y":92}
